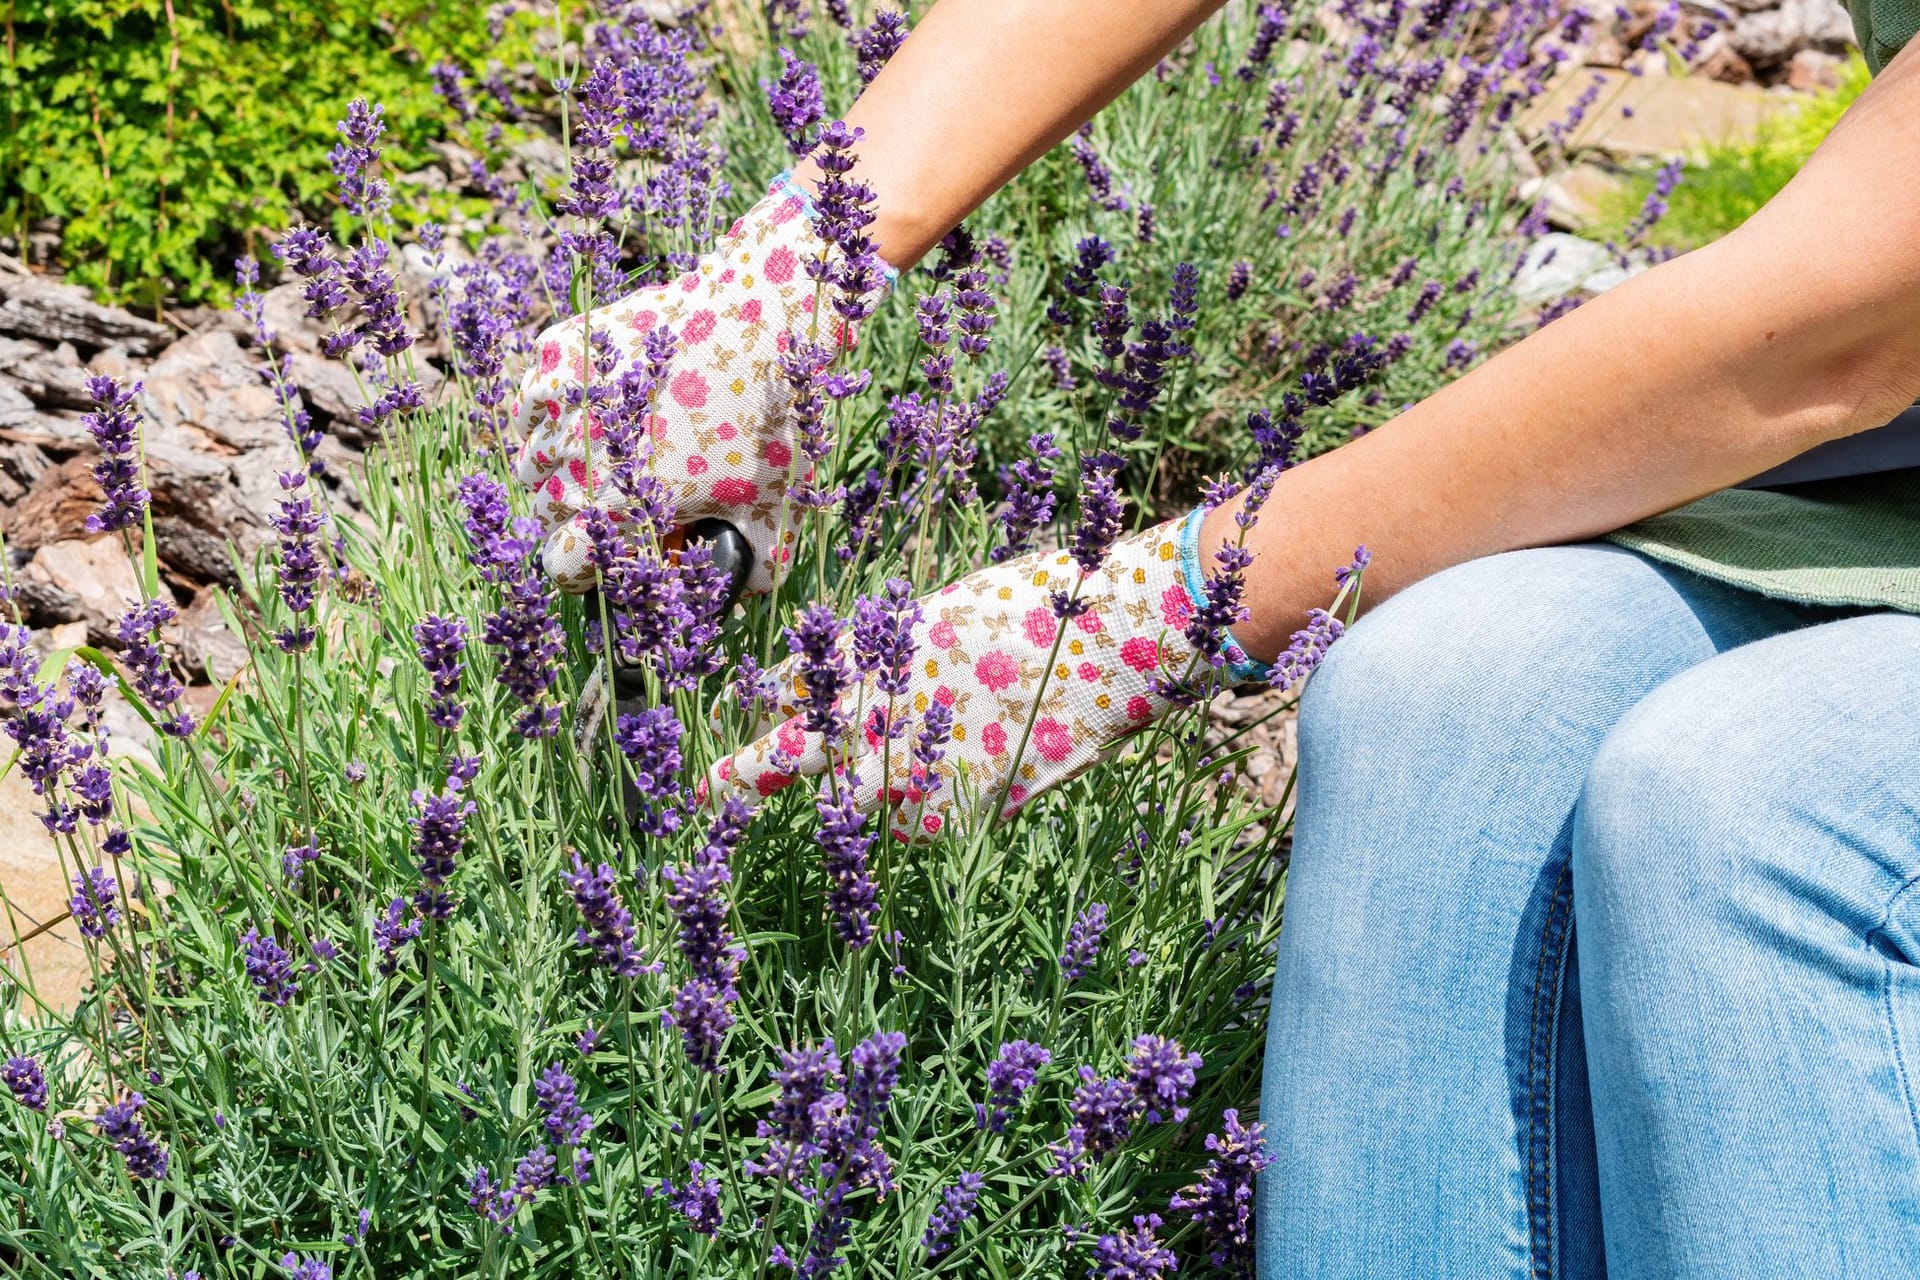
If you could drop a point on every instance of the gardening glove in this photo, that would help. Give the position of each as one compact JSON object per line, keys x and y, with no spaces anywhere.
{"x":1029,"y":700}
{"x":722,"y":436}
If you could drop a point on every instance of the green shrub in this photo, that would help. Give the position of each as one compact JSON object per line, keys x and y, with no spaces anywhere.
{"x":167,"y":135}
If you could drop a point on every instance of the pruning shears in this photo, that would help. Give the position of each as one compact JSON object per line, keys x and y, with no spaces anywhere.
{"x":732,"y":556}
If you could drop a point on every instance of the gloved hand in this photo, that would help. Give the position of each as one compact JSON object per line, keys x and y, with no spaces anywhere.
{"x":722,"y":437}
{"x":1029,"y":700}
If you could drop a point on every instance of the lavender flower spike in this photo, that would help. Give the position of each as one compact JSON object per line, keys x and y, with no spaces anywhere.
{"x":120,"y":1125}
{"x":1083,"y":943}
{"x":608,"y":931}
{"x":114,"y":425}
{"x":440,"y":642}
{"x":1222,"y":1201}
{"x":1009,"y":1076}
{"x":268,"y":968}
{"x":27,"y":1082}
{"x":1133,"y":1255}
{"x":956,"y":1206}
{"x":92,"y":905}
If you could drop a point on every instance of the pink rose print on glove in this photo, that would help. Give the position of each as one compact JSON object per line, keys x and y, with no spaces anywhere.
{"x":1140,"y":653}
{"x":696,"y":465}
{"x":1176,"y":606}
{"x":1052,"y":739}
{"x":1088,"y":671}
{"x":750,"y":311}
{"x":941,"y":635}
{"x":777,"y":453}
{"x":735,"y":492}
{"x":698,"y":328}
{"x":1138,"y":708}
{"x":780,"y":265}
{"x":690,"y":389}
{"x":1089,"y":622}
{"x":996,"y":670}
{"x":1039,"y":627}
{"x":993,"y":739}
{"x":550,"y":357}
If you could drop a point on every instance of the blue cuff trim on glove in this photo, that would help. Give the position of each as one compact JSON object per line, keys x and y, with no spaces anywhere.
{"x":786,"y":184}
{"x":1240,"y":669}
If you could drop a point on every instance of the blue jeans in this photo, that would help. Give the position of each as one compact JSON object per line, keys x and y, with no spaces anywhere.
{"x":1602,"y":939}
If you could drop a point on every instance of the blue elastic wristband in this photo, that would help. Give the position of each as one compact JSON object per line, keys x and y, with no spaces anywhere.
{"x":1240,"y":668}
{"x":787,"y":184}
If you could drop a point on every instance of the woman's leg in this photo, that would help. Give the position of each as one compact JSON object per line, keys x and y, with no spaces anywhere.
{"x":1424,"y":1096}
{"x":1747,"y":888}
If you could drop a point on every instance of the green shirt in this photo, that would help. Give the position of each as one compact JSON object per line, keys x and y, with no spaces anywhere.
{"x":1842,"y":542}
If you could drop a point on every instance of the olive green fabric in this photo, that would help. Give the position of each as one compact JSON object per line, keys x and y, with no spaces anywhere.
{"x":1843,"y":542}
{"x":1883,"y":28}
{"x":1840,"y":542}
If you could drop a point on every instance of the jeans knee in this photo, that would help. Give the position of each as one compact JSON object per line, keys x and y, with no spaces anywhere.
{"x":1497,"y":647}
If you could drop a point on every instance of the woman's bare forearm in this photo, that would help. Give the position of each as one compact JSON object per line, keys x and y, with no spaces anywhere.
{"x":981,"y":89}
{"x":1801,"y":327}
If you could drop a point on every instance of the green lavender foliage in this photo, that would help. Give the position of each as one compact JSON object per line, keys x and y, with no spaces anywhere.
{"x":384,"y":1094}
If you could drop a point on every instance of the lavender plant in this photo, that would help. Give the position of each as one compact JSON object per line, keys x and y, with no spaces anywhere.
{"x":389,"y":979}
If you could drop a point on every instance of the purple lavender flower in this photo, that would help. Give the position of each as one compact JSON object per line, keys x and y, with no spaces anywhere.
{"x":1101,"y":510}
{"x":1103,"y":1112}
{"x":976,"y":312}
{"x":1162,"y":1075}
{"x":929,"y":745}
{"x":269,"y":968}
{"x":1030,"y":497}
{"x":525,"y":627}
{"x":852,"y":898}
{"x":392,"y":930}
{"x":26,"y":1082}
{"x":650,"y":740}
{"x":806,"y":1080}
{"x":1083,"y":942}
{"x":114,"y":425}
{"x":883,"y":636}
{"x":814,"y":640}
{"x":293,"y":863}
{"x":297,"y":521}
{"x":1207,"y":628}
{"x":557,"y":1094}
{"x":92,"y":905}
{"x":844,"y":210}
{"x":440,"y":641}
{"x":355,"y":154}
{"x":851,"y":1156}
{"x":608,"y":931}
{"x":120,"y":1124}
{"x":795,"y":101}
{"x":956,"y":1207}
{"x":1221,"y":1202}
{"x":1307,"y":648}
{"x":383,"y":320}
{"x":875,"y":45}
{"x":697,"y":1199}
{"x":309,"y":255}
{"x":138,"y":632}
{"x":1009,"y":1076}
{"x":439,"y":837}
{"x":1133,"y":1255}
{"x":299,"y":1268}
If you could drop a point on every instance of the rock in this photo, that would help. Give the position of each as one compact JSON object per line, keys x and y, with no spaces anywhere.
{"x":96,"y":578}
{"x":56,"y":507}
{"x":1810,"y":70}
{"x":66,"y":636}
{"x":21,"y":464}
{"x":1772,"y":36}
{"x":1557,"y":264}
{"x":35,"y":884}
{"x":207,"y":384}
{"x":209,"y":648}
{"x":52,"y":378}
{"x":286,"y":315}
{"x":1580,"y":197}
{"x":335,"y":396}
{"x":32,"y":306}
{"x":1718,"y":60}
{"x":1673,"y":116}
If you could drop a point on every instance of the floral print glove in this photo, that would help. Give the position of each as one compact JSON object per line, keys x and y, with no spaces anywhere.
{"x":994,"y":698}
{"x":722,"y":437}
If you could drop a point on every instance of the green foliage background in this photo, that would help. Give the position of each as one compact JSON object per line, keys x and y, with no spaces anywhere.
{"x":168,"y":134}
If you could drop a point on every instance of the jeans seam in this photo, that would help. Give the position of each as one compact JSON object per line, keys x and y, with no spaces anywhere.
{"x":1886,"y":1009}
{"x":1539,"y":1091}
